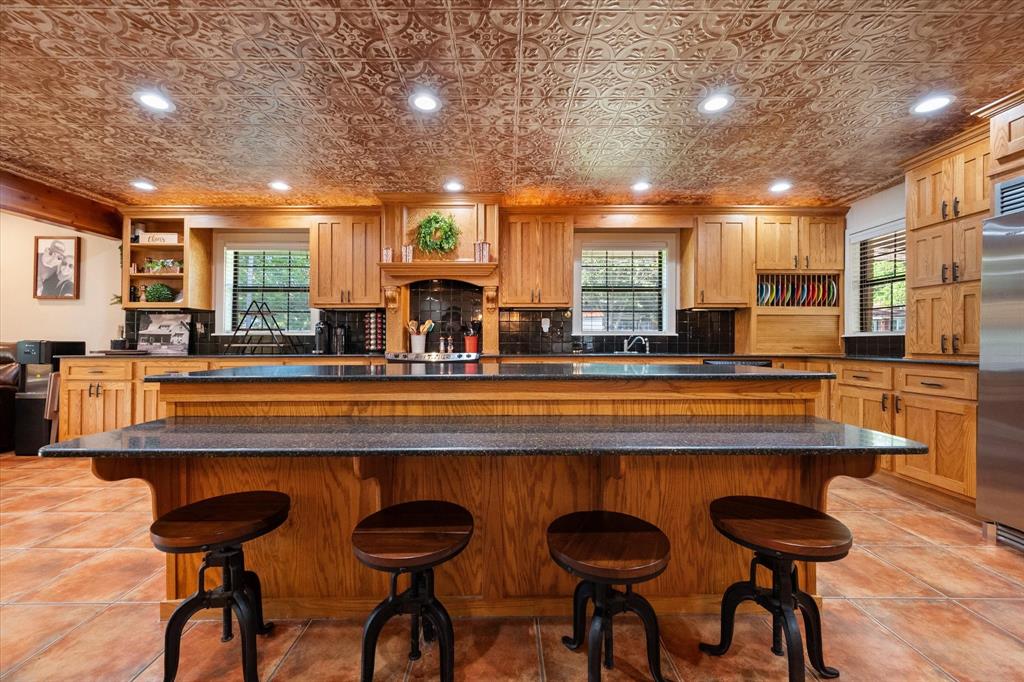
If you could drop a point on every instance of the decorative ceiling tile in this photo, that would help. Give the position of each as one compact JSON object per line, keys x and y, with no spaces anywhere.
{"x":551,"y":101}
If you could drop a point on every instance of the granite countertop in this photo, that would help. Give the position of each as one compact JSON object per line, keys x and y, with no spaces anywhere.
{"x":483,"y":435}
{"x":472,"y":371}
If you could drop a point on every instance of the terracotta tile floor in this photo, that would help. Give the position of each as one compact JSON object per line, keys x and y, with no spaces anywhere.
{"x":921,"y":597}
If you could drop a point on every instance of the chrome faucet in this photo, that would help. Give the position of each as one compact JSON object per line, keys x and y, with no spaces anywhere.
{"x":631,"y":341}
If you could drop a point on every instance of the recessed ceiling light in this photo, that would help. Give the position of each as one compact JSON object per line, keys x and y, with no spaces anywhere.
{"x":453,"y":186}
{"x":279,"y":185}
{"x":424,"y":101}
{"x":781,"y":186}
{"x":153,"y":100}
{"x":717,"y":102}
{"x":641,"y":186}
{"x":144,"y":185}
{"x":932,"y":103}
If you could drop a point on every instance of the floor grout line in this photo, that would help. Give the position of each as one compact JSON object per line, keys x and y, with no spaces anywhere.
{"x":539,"y":640}
{"x":986,"y":619}
{"x":284,"y":657}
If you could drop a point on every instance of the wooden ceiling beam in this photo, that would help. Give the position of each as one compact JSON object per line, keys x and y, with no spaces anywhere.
{"x":52,"y":205}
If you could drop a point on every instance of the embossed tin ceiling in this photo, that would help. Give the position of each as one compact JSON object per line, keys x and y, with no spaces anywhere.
{"x":552,"y":101}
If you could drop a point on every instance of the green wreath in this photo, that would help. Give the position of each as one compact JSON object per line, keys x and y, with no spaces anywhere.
{"x":437,"y":234}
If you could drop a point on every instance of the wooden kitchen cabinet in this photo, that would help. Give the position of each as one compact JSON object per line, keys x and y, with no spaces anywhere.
{"x":718,"y":262}
{"x":535,"y":256}
{"x":823,"y":403}
{"x":93,"y":406}
{"x":965,"y":335}
{"x":344,"y":252}
{"x":929,"y":251}
{"x":929,"y":188}
{"x":778,"y":243}
{"x":799,"y":243}
{"x":971,"y":184}
{"x":928,"y":320}
{"x":949,"y":428}
{"x":868,"y":408}
{"x":955,"y":185}
{"x":1007,"y":135}
{"x":965,"y":248}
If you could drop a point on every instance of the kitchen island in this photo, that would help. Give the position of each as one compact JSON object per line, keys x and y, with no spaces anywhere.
{"x":516,"y":444}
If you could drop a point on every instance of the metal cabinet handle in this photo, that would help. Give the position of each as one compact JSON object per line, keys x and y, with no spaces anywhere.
{"x":956,"y":271}
{"x":701,"y":295}
{"x":945,"y":209}
{"x":90,"y":389}
{"x":945,"y":273}
{"x":859,"y":376}
{"x":956,"y":343}
{"x":95,"y":371}
{"x":942,"y":343}
{"x":807,"y":261}
{"x":956,"y":207}
{"x":531,"y":295}
{"x":99,"y":390}
{"x":538,"y":295}
{"x":885,"y":402}
{"x":796,"y":262}
{"x":897,"y":404}
{"x":933,"y":384}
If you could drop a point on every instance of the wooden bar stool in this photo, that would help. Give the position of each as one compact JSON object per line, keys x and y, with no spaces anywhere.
{"x":779,"y":533}
{"x":218,"y":526}
{"x":412,"y":537}
{"x":605,"y":548}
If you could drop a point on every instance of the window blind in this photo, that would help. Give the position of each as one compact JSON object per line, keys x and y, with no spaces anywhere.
{"x":279,"y":278}
{"x":622,"y":290}
{"x":882,"y":282}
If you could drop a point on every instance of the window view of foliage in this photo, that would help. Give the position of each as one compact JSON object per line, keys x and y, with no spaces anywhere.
{"x":622,"y":290}
{"x":278,"y":278}
{"x":883,"y":287}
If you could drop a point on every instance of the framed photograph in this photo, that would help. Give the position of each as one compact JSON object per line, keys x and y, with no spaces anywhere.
{"x":164,"y":334}
{"x":56,"y":271}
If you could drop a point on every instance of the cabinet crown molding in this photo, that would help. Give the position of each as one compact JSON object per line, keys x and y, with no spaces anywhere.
{"x":973,"y":134}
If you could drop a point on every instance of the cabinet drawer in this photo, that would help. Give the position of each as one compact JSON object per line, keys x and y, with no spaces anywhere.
{"x":153,"y":368}
{"x":952,"y":383}
{"x":84,"y":371}
{"x":868,"y":375}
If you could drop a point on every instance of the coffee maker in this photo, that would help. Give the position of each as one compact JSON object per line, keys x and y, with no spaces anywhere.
{"x":38,"y":360}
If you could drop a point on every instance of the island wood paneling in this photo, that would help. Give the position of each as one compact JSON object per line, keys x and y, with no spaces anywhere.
{"x":307,"y":565}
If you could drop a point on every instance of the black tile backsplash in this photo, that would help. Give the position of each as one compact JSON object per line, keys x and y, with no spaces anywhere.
{"x":520,"y":332}
{"x":882,"y":345}
{"x":453,"y":306}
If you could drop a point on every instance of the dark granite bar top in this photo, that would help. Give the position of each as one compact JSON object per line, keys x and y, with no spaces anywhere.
{"x":477,"y":371}
{"x":483,"y":435}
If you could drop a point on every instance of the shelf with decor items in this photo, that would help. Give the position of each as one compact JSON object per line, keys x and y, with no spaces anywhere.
{"x":178,"y":260}
{"x":794,"y":313}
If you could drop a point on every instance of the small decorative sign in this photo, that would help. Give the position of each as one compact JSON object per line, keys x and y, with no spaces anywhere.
{"x":158,"y":238}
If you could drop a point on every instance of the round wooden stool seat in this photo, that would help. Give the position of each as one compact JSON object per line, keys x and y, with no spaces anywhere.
{"x":608,"y":547}
{"x":781,"y":528}
{"x":220,"y":521}
{"x":412,"y":536}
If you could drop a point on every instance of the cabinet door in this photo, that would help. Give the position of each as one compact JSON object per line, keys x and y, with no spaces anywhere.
{"x":821,"y":243}
{"x":929,"y":253}
{"x":724,"y":260}
{"x":113,"y":401}
{"x":554,"y":282}
{"x":970,"y":181}
{"x":948,"y":428}
{"x":778,"y":243}
{"x":966,"y":258}
{"x":329,"y":252}
{"x":364,"y":255}
{"x":518,"y":255}
{"x":868,"y":408}
{"x":928,"y":319}
{"x":76,"y":414}
{"x":966,"y":338}
{"x":929,"y":193}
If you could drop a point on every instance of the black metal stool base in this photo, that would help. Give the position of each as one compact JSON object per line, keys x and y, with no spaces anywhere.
{"x":240,"y":592}
{"x":427,"y":614}
{"x":782,"y":601}
{"x":607,"y":603}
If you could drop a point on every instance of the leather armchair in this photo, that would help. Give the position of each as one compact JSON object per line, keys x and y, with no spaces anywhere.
{"x":10,"y":379}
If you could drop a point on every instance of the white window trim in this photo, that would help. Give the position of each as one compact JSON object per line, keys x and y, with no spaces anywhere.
{"x":224,"y":240}
{"x":853,"y":240}
{"x":669,"y":242}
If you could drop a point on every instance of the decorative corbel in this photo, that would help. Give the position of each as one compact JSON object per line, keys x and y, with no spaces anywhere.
{"x":391,"y":298}
{"x":491,"y":299}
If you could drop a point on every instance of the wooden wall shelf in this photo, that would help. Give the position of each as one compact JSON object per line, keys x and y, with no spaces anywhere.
{"x":400,"y":274}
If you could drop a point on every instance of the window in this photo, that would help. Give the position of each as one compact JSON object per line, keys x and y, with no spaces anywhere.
{"x":624,"y":285}
{"x":882,"y":283}
{"x":266,"y":269}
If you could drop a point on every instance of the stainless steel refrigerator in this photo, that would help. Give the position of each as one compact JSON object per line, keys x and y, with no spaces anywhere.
{"x":1001,"y":377}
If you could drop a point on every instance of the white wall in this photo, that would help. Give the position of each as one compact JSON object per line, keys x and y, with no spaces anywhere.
{"x":91,"y":318}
